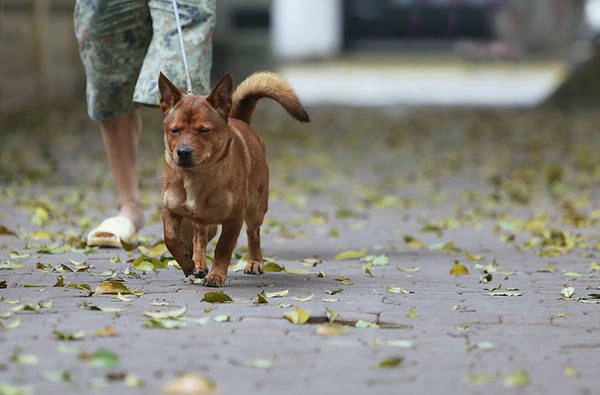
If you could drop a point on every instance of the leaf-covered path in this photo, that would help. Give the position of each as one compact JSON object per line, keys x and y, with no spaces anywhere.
{"x":409,"y":250}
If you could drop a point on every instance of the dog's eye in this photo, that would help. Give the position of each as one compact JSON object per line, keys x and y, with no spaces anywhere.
{"x":174,"y":131}
{"x":203,"y":130}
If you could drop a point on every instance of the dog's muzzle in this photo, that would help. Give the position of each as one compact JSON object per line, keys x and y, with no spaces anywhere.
{"x":184,"y":156}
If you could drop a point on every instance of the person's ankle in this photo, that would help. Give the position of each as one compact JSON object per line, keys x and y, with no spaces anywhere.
{"x":135,"y":214}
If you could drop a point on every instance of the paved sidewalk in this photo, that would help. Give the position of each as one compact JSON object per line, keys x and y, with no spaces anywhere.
{"x":405,"y":197}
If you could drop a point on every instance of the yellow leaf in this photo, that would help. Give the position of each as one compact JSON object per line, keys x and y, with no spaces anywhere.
{"x":331,"y":329}
{"x":571,"y":372}
{"x":309,"y":297}
{"x":550,"y":268}
{"x":156,"y":251}
{"x":413,"y":243}
{"x":473,"y":257}
{"x":411,"y":270}
{"x":519,"y":378}
{"x":41,"y":235}
{"x":261,"y":298}
{"x":480,"y":379}
{"x":123,"y":298}
{"x":458,"y":269}
{"x":412,"y":313}
{"x":351,"y":254}
{"x":112,"y":287}
{"x":277,"y":294}
{"x":298,"y":271}
{"x":298,"y":316}
{"x":173,"y":314}
{"x":189,"y":384}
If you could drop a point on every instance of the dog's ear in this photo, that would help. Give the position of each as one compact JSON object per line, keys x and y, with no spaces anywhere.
{"x":220,"y":97}
{"x":169,"y":94}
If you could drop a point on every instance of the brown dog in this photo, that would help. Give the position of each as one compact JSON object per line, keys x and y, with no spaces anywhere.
{"x":215,"y":170}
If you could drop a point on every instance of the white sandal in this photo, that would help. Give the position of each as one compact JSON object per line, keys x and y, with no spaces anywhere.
{"x":112,"y":232}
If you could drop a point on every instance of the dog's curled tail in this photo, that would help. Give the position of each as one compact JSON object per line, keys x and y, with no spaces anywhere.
{"x":265,"y":84}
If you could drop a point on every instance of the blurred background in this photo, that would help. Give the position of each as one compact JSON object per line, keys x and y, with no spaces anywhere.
{"x":350,"y":52}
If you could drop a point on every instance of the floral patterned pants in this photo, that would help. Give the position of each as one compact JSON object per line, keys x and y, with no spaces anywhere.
{"x":125,"y":44}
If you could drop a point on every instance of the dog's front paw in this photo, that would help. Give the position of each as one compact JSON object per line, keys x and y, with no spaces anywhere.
{"x":187,"y":266}
{"x":200,"y":272}
{"x":254,"y":267}
{"x":214,"y":280}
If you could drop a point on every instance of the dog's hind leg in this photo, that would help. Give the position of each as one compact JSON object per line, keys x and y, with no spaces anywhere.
{"x":254,"y":219}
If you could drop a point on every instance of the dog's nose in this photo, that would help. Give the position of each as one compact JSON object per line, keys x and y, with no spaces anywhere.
{"x":184,"y":153}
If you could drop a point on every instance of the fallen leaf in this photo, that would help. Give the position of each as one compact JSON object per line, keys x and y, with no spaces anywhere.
{"x":26,"y":359}
{"x":391,"y":362}
{"x":577,"y":275}
{"x":261,"y":298}
{"x":102,"y":358}
{"x":458,"y":269}
{"x":332,"y":315}
{"x":397,"y":290}
{"x":123,"y":298}
{"x":272,"y":267}
{"x":365,"y":324}
{"x":567,"y":292}
{"x":410,"y":270}
{"x":58,"y":376}
{"x":112,"y":287}
{"x":176,"y":313}
{"x":81,"y":287}
{"x":4,"y":231}
{"x":166,"y":323}
{"x":401,"y":343}
{"x":571,"y":372}
{"x":472,"y":257}
{"x":216,"y":297}
{"x":413,"y":243}
{"x":107,"y":331}
{"x":380,"y":260}
{"x":69,"y":336}
{"x":486,"y":278}
{"x":344,"y":280}
{"x":258,"y":363}
{"x":351,"y":254}
{"x":311,"y":262}
{"x":12,"y":325}
{"x":331,"y":329}
{"x":298,"y":316}
{"x":550,"y":268}
{"x":298,"y":271}
{"x":412,"y":313}
{"x":480,"y":379}
{"x":9,"y":265}
{"x":189,"y":384}
{"x":133,"y":381}
{"x":307,"y":298}
{"x":519,"y":378}
{"x":504,"y":293}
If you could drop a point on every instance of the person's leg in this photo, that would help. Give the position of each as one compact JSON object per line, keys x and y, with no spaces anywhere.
{"x":197,"y":19}
{"x":113,"y":37}
{"x":121,"y":136}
